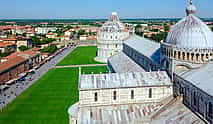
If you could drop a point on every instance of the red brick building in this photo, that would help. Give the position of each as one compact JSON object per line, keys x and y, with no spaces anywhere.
{"x":18,"y":63}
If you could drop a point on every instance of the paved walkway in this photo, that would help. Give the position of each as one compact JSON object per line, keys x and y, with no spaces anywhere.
{"x":87,"y":65}
{"x":16,"y":89}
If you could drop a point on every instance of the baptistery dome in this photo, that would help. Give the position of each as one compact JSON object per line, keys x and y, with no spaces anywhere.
{"x":191,"y":32}
{"x":113,"y":24}
{"x":110,"y":38}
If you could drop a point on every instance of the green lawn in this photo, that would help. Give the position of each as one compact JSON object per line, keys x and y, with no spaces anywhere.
{"x":94,"y":69}
{"x":47,"y":101}
{"x":80,"y":56}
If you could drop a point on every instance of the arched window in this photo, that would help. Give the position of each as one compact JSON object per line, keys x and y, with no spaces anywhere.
{"x":195,"y":99}
{"x":207,"y":56}
{"x":114,"y":95}
{"x":202,"y":57}
{"x":132,"y":94}
{"x":175,"y":54}
{"x":150,"y":92}
{"x":96,"y":96}
{"x":210,"y":113}
{"x":192,"y":56}
{"x":187,"y":56}
{"x":197,"y":55}
{"x":183,"y":55}
{"x":179,"y":55}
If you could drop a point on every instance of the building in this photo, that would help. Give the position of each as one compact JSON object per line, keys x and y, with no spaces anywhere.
{"x":110,"y":38}
{"x":187,"y":56}
{"x":188,"y":45}
{"x":24,"y":41}
{"x":87,"y":37}
{"x":68,"y":33}
{"x":17,"y":63}
{"x":30,"y":33}
{"x":51,"y":35}
{"x":114,"y":92}
{"x":20,"y":29}
{"x":19,"y":41}
{"x":45,"y":30}
{"x":9,"y":40}
{"x":64,"y":38}
{"x":145,"y":70}
{"x":7,"y":47}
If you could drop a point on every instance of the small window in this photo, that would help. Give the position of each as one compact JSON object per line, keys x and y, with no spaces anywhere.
{"x":150,"y":93}
{"x":96,"y":97}
{"x":114,"y":95}
{"x":116,"y":45}
{"x":132,"y":94}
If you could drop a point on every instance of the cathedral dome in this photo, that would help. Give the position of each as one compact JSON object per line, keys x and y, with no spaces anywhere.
{"x":191,"y":32}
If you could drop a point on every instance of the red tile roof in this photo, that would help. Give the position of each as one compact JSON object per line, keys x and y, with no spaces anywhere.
{"x":11,"y":63}
{"x":9,"y":39}
{"x":51,"y":34}
{"x":16,"y":58}
{"x":31,"y":52}
{"x":5,"y":44}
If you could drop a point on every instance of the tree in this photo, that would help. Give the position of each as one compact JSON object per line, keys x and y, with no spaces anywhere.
{"x":50,"y":49}
{"x":22,"y":48}
{"x":158,"y":37}
{"x":138,"y":26}
{"x":155,"y":30}
{"x":47,"y":40}
{"x":166,"y":28}
{"x":139,"y":33}
{"x":81,"y":32}
{"x":35,"y":41}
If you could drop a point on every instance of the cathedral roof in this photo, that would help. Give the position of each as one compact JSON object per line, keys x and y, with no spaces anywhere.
{"x":123,"y":80}
{"x":144,"y":46}
{"x":201,"y":78}
{"x":191,"y":32}
{"x":113,"y":24}
{"x":122,"y":63}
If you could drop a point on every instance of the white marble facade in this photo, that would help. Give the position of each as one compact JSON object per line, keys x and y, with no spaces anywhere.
{"x":106,"y":98}
{"x":110,"y":38}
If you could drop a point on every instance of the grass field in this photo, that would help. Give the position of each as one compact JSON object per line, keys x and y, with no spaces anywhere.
{"x":80,"y":56}
{"x":94,"y":69}
{"x":47,"y":101}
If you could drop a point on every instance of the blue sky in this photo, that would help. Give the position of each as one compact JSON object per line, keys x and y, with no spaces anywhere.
{"x":87,"y":9}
